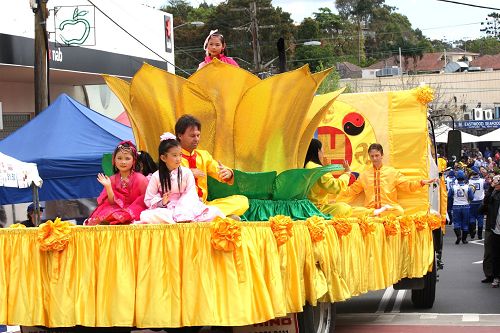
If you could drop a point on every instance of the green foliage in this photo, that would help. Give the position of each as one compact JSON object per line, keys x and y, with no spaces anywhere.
{"x":485,"y":45}
{"x":330,"y":83}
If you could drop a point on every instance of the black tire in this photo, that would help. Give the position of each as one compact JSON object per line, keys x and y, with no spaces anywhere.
{"x":317,"y":319}
{"x":424,"y":298}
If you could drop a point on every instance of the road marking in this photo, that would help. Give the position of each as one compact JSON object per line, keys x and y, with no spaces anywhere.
{"x":399,"y":298}
{"x":385,"y":299}
{"x":478,"y":262}
{"x":477,"y":242}
{"x":470,"y":317}
{"x":428,"y":316}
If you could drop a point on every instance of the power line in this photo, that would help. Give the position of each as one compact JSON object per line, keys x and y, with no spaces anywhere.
{"x":468,"y":4}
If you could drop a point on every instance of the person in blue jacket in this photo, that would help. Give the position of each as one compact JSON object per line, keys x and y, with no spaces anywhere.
{"x":460,"y":195}
{"x":476,"y":218}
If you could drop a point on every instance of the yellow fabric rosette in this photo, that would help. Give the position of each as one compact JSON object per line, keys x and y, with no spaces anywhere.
{"x":391,"y":226}
{"x":54,"y":236}
{"x":405,"y":223}
{"x":424,"y":94}
{"x":365,"y":226}
{"x":226,"y":234}
{"x":281,"y":226}
{"x":17,"y":226}
{"x":316,"y":226}
{"x":342,"y":226}
{"x":420,"y":222}
{"x":434,"y":221}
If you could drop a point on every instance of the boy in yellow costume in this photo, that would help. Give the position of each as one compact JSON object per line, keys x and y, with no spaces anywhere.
{"x":202,"y":164}
{"x":380,"y":184}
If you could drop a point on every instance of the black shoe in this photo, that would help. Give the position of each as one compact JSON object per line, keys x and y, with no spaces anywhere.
{"x":489,"y":279}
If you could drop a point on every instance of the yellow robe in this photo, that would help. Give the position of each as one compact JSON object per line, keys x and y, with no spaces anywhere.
{"x":232,"y":205}
{"x":326,"y":185}
{"x":381,"y":188}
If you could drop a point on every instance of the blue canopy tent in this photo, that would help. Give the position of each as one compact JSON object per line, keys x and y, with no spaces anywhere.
{"x":67,"y":141}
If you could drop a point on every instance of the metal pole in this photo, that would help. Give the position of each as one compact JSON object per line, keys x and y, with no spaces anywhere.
{"x":255,"y":36}
{"x":41,"y":67}
{"x":36,"y":202}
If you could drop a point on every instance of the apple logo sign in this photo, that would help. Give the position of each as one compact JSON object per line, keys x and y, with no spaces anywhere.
{"x":76,"y":30}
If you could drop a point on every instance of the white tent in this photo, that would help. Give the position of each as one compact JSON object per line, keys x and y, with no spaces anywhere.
{"x":14,"y":173}
{"x":442,"y":135}
{"x":491,"y":136}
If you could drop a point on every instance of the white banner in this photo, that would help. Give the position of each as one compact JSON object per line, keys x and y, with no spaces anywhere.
{"x":14,"y":173}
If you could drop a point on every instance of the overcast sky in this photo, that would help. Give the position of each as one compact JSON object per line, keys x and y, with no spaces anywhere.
{"x":437,"y":20}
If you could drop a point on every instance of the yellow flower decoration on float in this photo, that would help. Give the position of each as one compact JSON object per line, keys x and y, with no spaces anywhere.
{"x":391,"y":226}
{"x":424,"y":94}
{"x":17,"y":226}
{"x":405,"y":224}
{"x":342,"y":226}
{"x":420,"y":222}
{"x":248,"y":123}
{"x":281,"y":226}
{"x":316,"y":226}
{"x":434,"y":221}
{"x":54,"y":236}
{"x":366,"y":226}
{"x":226,"y":234}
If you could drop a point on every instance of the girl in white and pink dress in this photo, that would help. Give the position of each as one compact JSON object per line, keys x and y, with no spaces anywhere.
{"x":171,"y":193}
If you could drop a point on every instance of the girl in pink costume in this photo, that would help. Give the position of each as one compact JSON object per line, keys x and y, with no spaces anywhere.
{"x":122,"y":199}
{"x":171,"y":194}
{"x":215,"y":47}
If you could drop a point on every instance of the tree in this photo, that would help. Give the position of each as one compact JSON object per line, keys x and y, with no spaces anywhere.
{"x":492,"y":26}
{"x":485,"y":45}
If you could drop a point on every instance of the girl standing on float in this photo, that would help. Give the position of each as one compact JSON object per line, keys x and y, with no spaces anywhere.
{"x":215,"y":47}
{"x":122,"y":199}
{"x":171,"y":194}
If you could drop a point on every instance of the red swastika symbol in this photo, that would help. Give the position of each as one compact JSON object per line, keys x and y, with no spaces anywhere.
{"x":336,"y":144}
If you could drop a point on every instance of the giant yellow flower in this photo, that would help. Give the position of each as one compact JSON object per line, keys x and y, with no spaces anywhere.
{"x":248,"y":123}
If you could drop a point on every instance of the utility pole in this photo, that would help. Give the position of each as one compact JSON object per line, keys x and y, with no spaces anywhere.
{"x":41,"y":67}
{"x":254,"y":29}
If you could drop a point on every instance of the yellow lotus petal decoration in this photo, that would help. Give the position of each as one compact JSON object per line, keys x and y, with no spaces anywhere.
{"x":366,"y":226}
{"x":424,"y":94}
{"x":247,"y":123}
{"x":54,"y":236}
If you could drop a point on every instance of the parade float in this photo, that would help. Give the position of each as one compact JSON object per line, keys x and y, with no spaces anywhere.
{"x":229,"y":273}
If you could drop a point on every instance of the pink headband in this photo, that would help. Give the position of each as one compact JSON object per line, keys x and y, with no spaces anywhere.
{"x":167,"y":136}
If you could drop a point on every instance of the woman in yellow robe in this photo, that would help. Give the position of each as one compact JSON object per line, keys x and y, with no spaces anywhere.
{"x":327,"y":184}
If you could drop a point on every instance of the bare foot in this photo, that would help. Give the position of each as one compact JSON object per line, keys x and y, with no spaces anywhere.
{"x":234,"y":217}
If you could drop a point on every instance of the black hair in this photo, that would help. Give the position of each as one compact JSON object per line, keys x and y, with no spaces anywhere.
{"x":184,"y":122}
{"x":376,"y":146}
{"x":222,"y":40}
{"x":146,"y":163}
{"x":163,"y":170}
{"x":313,"y":152}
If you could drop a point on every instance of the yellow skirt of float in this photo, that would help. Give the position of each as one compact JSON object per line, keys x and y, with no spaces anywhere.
{"x":172,"y":275}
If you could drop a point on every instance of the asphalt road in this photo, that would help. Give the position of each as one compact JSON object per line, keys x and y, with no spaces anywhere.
{"x":461,"y":298}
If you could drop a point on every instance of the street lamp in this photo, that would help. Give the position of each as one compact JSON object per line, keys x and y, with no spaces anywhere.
{"x":194,"y":23}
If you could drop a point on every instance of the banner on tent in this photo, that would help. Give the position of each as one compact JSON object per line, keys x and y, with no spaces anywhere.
{"x":14,"y":173}
{"x":479,"y":124}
